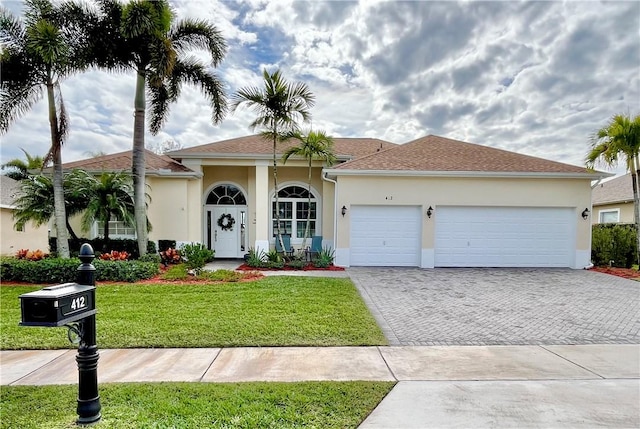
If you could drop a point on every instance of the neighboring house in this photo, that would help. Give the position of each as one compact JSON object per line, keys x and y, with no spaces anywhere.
{"x":613,"y":201}
{"x":12,"y":239}
{"x":431,"y":202}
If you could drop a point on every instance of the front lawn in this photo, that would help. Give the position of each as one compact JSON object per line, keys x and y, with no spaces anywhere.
{"x":198,"y":405}
{"x":274,"y":311}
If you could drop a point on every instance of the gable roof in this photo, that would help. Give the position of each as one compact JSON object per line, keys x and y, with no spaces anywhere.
{"x":9,"y":188}
{"x":256,"y":146}
{"x":156,"y":164}
{"x":618,"y":190}
{"x":440,"y":155}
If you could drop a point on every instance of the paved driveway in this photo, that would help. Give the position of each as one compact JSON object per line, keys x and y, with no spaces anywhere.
{"x":478,"y":306}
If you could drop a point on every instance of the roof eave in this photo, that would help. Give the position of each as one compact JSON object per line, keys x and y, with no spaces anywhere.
{"x":226,"y":155}
{"x":176,"y":174}
{"x":493,"y":174}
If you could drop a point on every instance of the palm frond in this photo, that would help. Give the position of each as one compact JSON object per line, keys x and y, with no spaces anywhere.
{"x":199,"y":34}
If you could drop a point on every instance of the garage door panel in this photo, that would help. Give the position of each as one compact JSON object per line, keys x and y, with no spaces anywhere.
{"x":503,"y":237}
{"x":385,"y":236}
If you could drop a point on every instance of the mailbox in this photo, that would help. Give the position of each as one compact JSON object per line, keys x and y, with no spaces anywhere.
{"x":58,"y":305}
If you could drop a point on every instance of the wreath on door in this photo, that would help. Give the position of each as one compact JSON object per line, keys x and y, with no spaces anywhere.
{"x":226,"y":222}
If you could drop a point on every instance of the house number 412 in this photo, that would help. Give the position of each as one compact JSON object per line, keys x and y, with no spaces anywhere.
{"x":78,"y":303}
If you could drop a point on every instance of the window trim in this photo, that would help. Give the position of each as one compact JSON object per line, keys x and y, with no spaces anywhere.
{"x":98,"y":230}
{"x":605,"y":211}
{"x":317,"y":198}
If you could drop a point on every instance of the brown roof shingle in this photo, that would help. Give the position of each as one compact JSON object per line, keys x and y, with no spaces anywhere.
{"x":434,"y":153}
{"x":349,"y":148}
{"x":613,"y":191}
{"x":122,"y":161}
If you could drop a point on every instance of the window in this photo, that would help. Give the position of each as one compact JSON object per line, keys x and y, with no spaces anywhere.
{"x":293,"y":204}
{"x":117,"y":228}
{"x":226,"y":194}
{"x":609,"y":216}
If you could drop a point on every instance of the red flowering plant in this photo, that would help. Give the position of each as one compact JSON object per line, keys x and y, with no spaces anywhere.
{"x":170,"y":256}
{"x":114,"y":255}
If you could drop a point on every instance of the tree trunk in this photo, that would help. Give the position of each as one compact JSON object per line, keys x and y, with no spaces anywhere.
{"x":275,"y":185}
{"x":308,"y":225}
{"x":59,"y":210}
{"x":106,"y":227}
{"x":72,"y":233}
{"x":635,"y":175}
{"x":138,"y":164}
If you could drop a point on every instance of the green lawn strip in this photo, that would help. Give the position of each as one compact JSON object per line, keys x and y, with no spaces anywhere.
{"x":199,"y":405}
{"x":278,"y":311}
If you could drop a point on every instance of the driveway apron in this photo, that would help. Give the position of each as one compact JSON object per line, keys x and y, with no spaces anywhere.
{"x":500,"y":306}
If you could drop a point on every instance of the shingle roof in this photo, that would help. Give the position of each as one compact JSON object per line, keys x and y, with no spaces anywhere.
{"x":257,"y":145}
{"x":613,"y":191}
{"x":8,"y":190}
{"x":122,"y":161}
{"x":439,"y":154}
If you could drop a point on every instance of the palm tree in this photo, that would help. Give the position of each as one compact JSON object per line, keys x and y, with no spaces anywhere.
{"x":620,"y":140}
{"x":313,"y":145}
{"x":111,"y":198}
{"x":278,"y":106}
{"x":36,"y":57}
{"x":35,"y":203}
{"x":18,"y":169}
{"x":147,"y":39}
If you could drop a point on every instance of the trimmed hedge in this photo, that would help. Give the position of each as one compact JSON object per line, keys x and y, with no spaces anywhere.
{"x":58,"y":270}
{"x":613,"y":244}
{"x":100,"y":245}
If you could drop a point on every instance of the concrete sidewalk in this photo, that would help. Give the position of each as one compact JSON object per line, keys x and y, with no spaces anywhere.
{"x":456,"y":386}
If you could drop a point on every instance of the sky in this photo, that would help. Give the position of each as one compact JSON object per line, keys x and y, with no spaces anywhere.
{"x":537,"y":78}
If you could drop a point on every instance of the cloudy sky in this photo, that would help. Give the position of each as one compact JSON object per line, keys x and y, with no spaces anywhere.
{"x":532,"y":77}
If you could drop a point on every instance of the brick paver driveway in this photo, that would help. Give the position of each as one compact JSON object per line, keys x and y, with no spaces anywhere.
{"x":477,"y":306}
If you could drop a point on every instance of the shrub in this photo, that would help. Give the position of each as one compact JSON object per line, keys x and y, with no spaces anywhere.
{"x":273,"y":256}
{"x":297,"y":263}
{"x":150,"y":257}
{"x":196,"y":255}
{"x":170,"y":256}
{"x":255,"y":259}
{"x":324,"y":258}
{"x":100,"y":245}
{"x":31,"y":255}
{"x":613,"y":244}
{"x":166,"y":244}
{"x":58,"y":270}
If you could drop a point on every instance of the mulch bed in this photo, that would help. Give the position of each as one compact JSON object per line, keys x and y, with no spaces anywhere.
{"x":627,"y":273}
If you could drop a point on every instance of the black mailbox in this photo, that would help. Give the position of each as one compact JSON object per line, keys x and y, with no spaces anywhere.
{"x":58,"y":305}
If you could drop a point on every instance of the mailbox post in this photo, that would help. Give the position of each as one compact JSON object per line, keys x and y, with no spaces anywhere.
{"x":72,"y":305}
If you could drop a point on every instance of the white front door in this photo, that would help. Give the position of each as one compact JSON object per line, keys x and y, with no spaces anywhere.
{"x":224,"y":224}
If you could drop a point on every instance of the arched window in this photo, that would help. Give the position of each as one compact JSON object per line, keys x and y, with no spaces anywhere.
{"x":293,"y":203}
{"x":227,"y":195}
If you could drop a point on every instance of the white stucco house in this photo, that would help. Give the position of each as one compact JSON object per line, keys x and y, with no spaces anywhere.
{"x":432,"y":202}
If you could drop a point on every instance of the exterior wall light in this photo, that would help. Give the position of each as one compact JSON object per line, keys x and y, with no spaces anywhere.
{"x":585,"y":213}
{"x":343,"y":210}
{"x":429,"y":212}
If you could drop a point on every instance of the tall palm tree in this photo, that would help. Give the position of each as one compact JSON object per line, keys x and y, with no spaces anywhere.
{"x":18,"y":169}
{"x":278,"y":106}
{"x":147,"y":39}
{"x":616,"y":141}
{"x":111,"y":198}
{"x":313,"y":145}
{"x":36,"y":57}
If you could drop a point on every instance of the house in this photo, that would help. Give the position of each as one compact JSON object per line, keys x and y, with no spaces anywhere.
{"x":613,"y":201}
{"x":12,"y":239}
{"x":432,"y":202}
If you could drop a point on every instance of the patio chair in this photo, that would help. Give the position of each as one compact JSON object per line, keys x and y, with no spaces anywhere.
{"x":316,"y":247}
{"x":286,"y":241}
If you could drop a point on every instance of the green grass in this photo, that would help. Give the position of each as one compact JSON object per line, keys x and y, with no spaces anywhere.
{"x":198,"y":405}
{"x":278,"y":311}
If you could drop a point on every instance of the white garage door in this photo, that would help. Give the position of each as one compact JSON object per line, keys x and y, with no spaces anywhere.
{"x":385,"y":236}
{"x":504,"y":237}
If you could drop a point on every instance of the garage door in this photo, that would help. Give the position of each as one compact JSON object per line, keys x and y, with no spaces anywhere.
{"x":385,"y":236}
{"x":504,"y":237}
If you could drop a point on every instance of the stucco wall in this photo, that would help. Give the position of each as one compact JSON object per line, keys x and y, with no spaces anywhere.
{"x":425,"y":192}
{"x":31,"y":238}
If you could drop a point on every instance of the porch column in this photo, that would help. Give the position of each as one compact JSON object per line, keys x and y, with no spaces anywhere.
{"x":261,"y":204}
